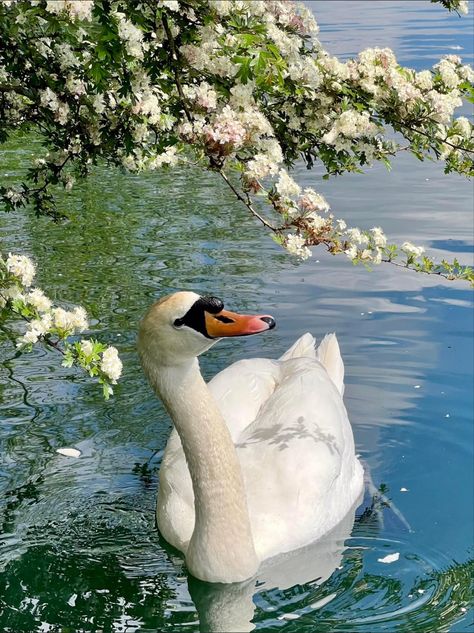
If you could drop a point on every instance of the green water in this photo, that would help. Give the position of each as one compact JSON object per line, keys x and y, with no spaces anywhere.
{"x":79,"y":550}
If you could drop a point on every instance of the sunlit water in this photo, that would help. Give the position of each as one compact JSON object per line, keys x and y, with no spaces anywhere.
{"x":79,"y":548}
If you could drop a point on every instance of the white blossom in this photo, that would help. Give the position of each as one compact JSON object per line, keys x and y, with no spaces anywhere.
{"x":378,"y":237}
{"x":377,"y":257}
{"x":355,"y":235}
{"x":444,"y":104}
{"x":22,"y":267}
{"x":13,"y":195}
{"x":203,"y":94}
{"x":168,"y":157}
{"x":11,"y":293}
{"x":463,"y":126}
{"x":76,"y":9}
{"x":79,"y":319}
{"x":67,"y":58}
{"x":36,"y":329}
{"x":424,"y":80}
{"x":87,"y":347}
{"x":131,"y":35}
{"x":242,"y":95}
{"x":70,"y":321}
{"x":49,"y":98}
{"x":351,"y":124}
{"x":30,"y":337}
{"x":467,"y":73}
{"x":38,"y":300}
{"x":260,"y":166}
{"x":62,"y":113}
{"x":295,"y":244}
{"x":317,"y":221}
{"x":173,"y":5}
{"x":288,"y":45}
{"x":98,"y":103}
{"x":286,"y":186}
{"x":448,"y":74}
{"x":62,"y":319}
{"x":351,"y":252}
{"x":111,"y":364}
{"x":411,"y":250}
{"x":313,"y":201}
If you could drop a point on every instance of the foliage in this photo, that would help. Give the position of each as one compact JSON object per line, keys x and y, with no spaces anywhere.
{"x":240,"y":87}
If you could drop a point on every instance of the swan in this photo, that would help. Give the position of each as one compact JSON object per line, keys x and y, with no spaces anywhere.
{"x":261,"y":460}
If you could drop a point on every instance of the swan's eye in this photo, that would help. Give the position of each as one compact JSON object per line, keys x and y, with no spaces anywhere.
{"x":178,"y":322}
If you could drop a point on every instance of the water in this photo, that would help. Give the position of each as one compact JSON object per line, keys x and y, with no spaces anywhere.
{"x":79,"y":550}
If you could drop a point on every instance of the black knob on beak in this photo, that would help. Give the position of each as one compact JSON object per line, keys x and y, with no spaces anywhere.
{"x":269,"y":320}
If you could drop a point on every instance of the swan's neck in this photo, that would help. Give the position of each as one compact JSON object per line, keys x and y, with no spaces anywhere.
{"x":221,"y":548}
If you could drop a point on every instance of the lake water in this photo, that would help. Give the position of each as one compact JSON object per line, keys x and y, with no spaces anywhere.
{"x":79,"y":550}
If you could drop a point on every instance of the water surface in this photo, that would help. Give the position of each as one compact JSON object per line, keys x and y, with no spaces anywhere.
{"x":79,"y":550}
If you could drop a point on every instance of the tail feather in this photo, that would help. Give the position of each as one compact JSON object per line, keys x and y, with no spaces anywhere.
{"x":304,"y":346}
{"x":329,"y":355}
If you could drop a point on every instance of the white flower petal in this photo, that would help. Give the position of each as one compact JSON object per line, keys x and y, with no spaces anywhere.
{"x":68,"y":452}
{"x":390,"y":558}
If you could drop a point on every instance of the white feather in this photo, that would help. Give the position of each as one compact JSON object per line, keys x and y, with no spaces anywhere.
{"x":329,"y":354}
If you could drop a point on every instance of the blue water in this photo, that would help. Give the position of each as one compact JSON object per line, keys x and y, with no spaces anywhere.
{"x":78,"y":545}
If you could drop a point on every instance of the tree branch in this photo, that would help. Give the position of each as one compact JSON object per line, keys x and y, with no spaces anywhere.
{"x":416,"y":131}
{"x":426,"y":272}
{"x":46,"y":338}
{"x":174,"y":53}
{"x":6,"y":88}
{"x":248,"y":204}
{"x":328,"y":243}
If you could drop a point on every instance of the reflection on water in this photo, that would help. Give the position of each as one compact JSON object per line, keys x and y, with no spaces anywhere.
{"x":78,"y":545}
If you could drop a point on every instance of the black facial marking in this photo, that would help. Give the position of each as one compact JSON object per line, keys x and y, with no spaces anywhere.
{"x":195,"y":316}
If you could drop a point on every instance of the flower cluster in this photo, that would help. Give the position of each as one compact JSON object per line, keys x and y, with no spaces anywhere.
{"x":52,"y":325}
{"x":75,"y":9}
{"x":241,"y":85}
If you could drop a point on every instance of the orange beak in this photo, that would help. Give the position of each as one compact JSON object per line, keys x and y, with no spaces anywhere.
{"x":226,"y":323}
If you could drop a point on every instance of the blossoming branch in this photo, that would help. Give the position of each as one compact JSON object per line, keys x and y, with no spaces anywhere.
{"x":54,"y":326}
{"x":242,"y":87}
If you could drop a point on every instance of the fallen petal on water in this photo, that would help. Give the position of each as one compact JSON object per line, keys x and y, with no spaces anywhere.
{"x":69,"y":452}
{"x":390,"y":558}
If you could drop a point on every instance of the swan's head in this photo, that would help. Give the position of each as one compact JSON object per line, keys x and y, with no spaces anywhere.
{"x":183,"y":325}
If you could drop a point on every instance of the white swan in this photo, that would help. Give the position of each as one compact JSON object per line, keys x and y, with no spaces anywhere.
{"x":261,"y":460}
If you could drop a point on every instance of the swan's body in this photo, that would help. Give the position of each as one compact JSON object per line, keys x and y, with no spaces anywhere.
{"x":270,"y":450}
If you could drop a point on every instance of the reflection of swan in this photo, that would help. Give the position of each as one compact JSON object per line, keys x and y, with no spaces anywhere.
{"x":225,"y":608}
{"x":278,"y":473}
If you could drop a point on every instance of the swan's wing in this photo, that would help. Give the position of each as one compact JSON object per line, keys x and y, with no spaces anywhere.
{"x":305,"y":346}
{"x":329,"y":354}
{"x":175,"y":504}
{"x":241,"y":389}
{"x":298,"y":460}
